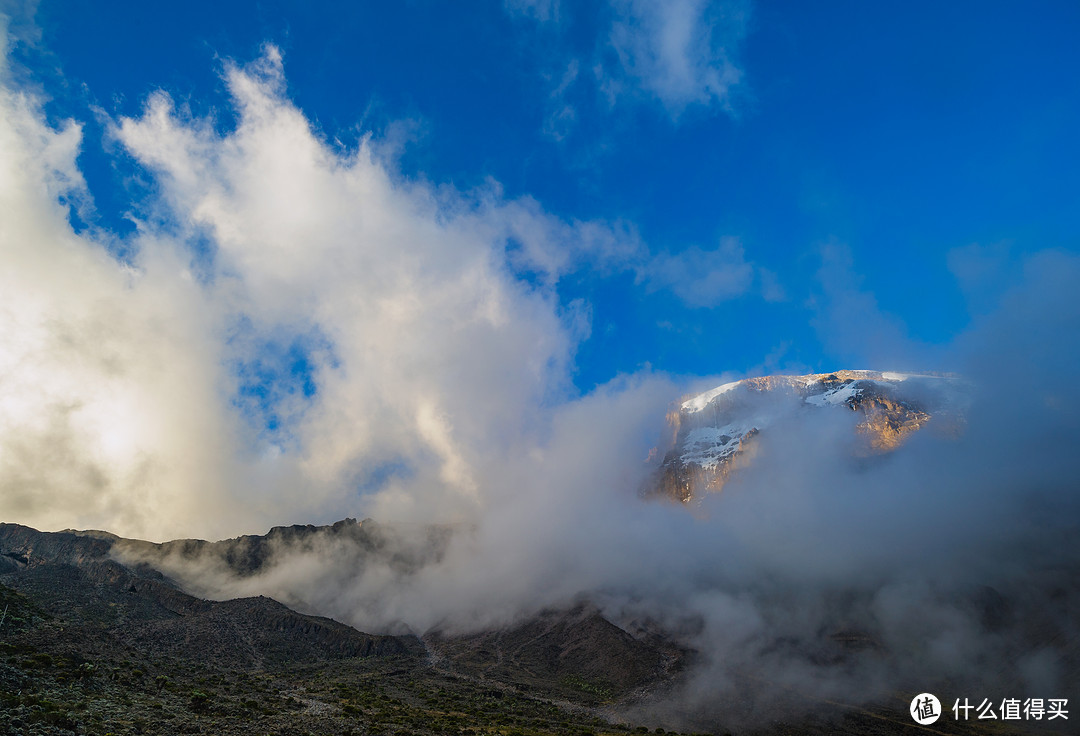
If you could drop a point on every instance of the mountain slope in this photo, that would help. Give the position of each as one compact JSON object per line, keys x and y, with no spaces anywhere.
{"x":91,"y":605}
{"x":578,"y":648}
{"x":72,"y":574}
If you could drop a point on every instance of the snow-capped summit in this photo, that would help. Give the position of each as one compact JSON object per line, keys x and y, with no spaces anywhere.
{"x":712,"y":431}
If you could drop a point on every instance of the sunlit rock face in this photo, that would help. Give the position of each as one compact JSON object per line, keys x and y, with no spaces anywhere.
{"x":715,"y":433}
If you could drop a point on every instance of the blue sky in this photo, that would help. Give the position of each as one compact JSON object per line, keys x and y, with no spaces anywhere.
{"x":898,"y":132}
{"x":368,"y":247}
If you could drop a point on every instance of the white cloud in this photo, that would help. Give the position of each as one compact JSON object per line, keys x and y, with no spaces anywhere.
{"x":423,"y":354}
{"x":679,"y":52}
{"x":107,"y":385}
{"x":702,"y":278}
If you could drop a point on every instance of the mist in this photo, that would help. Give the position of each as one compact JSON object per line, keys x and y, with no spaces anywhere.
{"x":304,"y":334}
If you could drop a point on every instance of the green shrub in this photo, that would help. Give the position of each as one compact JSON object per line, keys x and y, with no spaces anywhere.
{"x":200,"y":700}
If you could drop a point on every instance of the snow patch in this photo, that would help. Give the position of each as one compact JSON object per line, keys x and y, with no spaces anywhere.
{"x":838,"y":395}
{"x":700,"y":401}
{"x":708,"y":446}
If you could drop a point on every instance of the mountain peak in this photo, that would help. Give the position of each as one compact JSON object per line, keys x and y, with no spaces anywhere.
{"x":712,"y":431}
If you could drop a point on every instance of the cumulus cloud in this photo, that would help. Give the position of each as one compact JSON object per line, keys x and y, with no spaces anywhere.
{"x":105,"y":385}
{"x":344,"y":331}
{"x":291,"y":317}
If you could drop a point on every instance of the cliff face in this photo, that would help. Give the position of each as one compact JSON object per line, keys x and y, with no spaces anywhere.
{"x":715,"y":433}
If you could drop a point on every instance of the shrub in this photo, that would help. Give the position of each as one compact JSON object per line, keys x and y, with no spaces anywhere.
{"x":199,"y":700}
